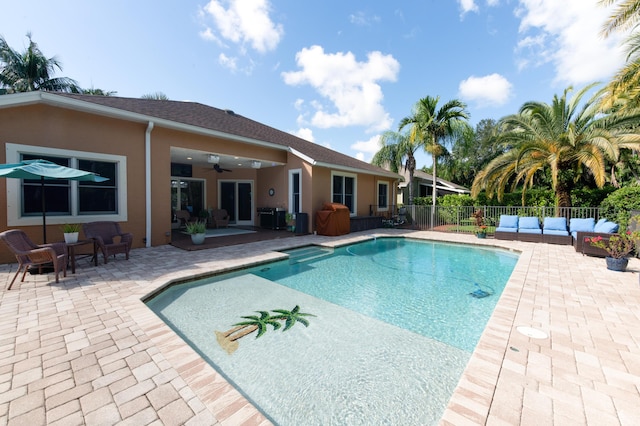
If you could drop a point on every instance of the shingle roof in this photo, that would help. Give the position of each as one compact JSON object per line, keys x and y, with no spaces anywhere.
{"x":210,"y":118}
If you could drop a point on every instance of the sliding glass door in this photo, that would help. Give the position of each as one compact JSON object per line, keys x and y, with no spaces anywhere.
{"x":236,"y":197}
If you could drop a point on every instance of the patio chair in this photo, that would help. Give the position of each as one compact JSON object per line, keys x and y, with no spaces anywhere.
{"x":554,"y":231}
{"x":185,"y":217}
{"x":529,"y":229}
{"x":219,"y":218}
{"x":30,"y":254}
{"x":108,"y":238}
{"x":507,"y":228}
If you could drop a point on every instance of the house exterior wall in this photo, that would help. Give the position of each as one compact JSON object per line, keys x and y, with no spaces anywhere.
{"x":49,"y":127}
{"x":42,"y":127}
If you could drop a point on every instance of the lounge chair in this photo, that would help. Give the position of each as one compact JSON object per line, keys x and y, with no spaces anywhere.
{"x":109,"y":238}
{"x":30,"y":254}
{"x":507,"y":228}
{"x":554,"y":231}
{"x":529,"y":229}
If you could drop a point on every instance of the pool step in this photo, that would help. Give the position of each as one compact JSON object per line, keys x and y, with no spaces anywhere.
{"x":307,"y":254}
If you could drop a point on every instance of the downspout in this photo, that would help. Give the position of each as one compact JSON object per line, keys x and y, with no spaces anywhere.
{"x":147,"y":167}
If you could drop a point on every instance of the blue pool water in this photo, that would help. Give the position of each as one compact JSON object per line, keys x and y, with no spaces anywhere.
{"x":394,"y":324}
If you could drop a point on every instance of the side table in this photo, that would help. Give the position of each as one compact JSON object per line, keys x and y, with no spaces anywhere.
{"x":71,"y":252}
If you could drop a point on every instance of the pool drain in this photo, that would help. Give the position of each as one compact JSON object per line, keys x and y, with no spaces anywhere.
{"x":479,"y":293}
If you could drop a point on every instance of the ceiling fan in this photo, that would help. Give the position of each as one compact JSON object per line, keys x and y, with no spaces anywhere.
{"x":219,"y":169}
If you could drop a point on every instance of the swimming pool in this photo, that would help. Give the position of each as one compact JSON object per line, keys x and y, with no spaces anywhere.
{"x":393,"y":327}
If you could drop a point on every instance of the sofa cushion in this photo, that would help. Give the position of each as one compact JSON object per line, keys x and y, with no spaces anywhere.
{"x":581,"y":225}
{"x":508,"y":221}
{"x":529,"y":225}
{"x":606,"y":227}
{"x":552,"y":225}
{"x":584,"y":225}
{"x":599,"y":223}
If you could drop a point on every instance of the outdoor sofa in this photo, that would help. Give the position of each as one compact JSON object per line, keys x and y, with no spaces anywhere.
{"x":588,"y":228}
{"x":554,"y":231}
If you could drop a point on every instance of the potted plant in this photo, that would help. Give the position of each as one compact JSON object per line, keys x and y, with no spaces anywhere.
{"x":481,"y":228}
{"x":204,"y":216}
{"x":618,"y":248}
{"x":197,"y":230}
{"x":290,"y":218}
{"x":71,"y":231}
{"x":481,"y":231}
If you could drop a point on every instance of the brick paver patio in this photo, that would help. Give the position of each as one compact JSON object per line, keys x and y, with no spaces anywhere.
{"x":87,"y":351}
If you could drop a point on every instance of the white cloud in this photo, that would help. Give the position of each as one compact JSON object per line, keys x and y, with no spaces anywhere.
{"x":367,"y":149}
{"x":351,"y":86}
{"x":304,"y":133}
{"x":490,"y":90}
{"x":231,"y":63}
{"x":360,"y":18}
{"x":228,"y":62}
{"x":467,"y":6}
{"x":244,"y":22}
{"x":566,"y":34}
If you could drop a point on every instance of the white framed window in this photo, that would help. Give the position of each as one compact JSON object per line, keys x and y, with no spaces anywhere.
{"x":343,"y":190}
{"x":295,"y":191}
{"x":66,"y":200}
{"x":383,"y":196}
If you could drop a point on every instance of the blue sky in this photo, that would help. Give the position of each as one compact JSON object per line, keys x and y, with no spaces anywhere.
{"x":337,"y":73}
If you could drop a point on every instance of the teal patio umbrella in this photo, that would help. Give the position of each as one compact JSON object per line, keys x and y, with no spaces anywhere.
{"x":41,"y":169}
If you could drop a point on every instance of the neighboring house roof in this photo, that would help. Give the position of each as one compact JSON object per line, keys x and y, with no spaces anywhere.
{"x":428,"y":179}
{"x":194,"y":117}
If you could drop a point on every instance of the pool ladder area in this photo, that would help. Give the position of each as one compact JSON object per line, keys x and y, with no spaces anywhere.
{"x":306,"y":254}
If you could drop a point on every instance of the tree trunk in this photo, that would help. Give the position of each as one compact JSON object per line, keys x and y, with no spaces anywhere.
{"x":244,"y":332}
{"x":434,"y":194}
{"x":411,"y":166}
{"x":563,"y":194}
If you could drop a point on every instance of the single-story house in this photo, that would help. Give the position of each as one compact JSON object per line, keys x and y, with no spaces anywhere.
{"x":423,"y":186}
{"x":165,"y":156}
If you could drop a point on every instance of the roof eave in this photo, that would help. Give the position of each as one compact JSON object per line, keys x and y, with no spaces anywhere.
{"x":83,"y":106}
{"x":382,"y":172}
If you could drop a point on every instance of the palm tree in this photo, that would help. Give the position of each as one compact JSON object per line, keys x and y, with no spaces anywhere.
{"x":291,"y":317}
{"x":562,"y":139}
{"x":30,"y":70}
{"x":624,"y":17}
{"x":431,"y":127}
{"x":95,"y":91}
{"x":158,"y":96}
{"x":228,"y":339}
{"x":623,"y":90}
{"x":396,"y":148}
{"x":254,"y":323}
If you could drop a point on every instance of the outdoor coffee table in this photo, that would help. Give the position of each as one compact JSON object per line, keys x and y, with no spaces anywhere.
{"x":71,"y":252}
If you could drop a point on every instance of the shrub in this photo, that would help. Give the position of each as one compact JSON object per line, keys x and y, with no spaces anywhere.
{"x":617,"y":205}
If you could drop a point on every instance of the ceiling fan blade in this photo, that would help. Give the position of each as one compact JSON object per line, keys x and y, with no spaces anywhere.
{"x":219,"y":169}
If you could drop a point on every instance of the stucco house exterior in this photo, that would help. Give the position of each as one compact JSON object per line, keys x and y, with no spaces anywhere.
{"x":159,"y":157}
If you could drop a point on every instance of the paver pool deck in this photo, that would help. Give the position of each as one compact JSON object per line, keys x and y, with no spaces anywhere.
{"x":87,"y":351}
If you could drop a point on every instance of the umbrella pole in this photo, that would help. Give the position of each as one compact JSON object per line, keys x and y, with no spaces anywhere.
{"x":44,"y":220}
